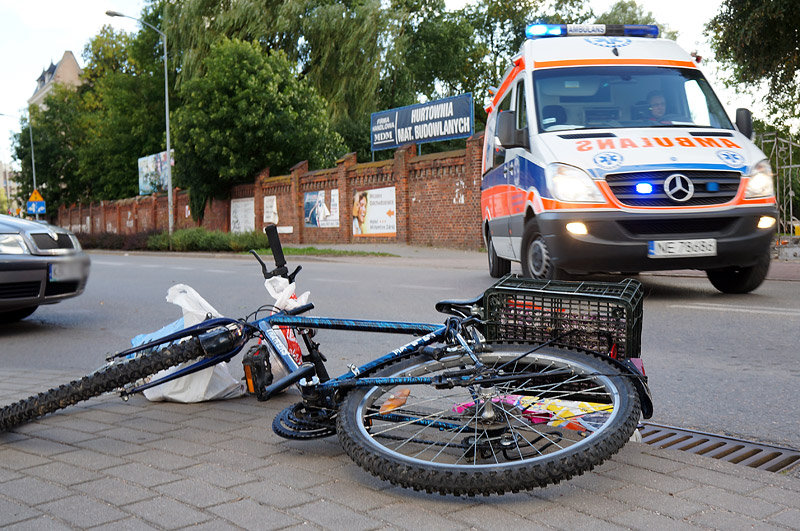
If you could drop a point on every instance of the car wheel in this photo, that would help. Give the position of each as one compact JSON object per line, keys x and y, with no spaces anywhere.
{"x":498,"y":267}
{"x":16,"y":315}
{"x":537,"y":260}
{"x":740,"y":279}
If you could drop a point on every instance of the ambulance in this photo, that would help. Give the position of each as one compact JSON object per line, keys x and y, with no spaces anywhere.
{"x":607,"y":151}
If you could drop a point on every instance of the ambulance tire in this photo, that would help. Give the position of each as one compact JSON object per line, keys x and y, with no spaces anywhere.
{"x":740,"y":279}
{"x":498,"y":267}
{"x":536,"y":257}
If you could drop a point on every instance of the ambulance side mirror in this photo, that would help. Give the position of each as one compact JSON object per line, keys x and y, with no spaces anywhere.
{"x":744,"y":122}
{"x":507,"y":132}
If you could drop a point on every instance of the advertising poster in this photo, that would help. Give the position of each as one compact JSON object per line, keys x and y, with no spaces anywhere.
{"x":243,"y":217}
{"x":319,"y":212}
{"x":153,"y":173}
{"x":375,"y":212}
{"x":271,"y":209}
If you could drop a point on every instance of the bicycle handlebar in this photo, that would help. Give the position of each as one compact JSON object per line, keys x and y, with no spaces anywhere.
{"x":277,"y":253}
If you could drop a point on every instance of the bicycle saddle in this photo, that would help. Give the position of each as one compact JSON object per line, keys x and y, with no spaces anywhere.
{"x":460,"y":308}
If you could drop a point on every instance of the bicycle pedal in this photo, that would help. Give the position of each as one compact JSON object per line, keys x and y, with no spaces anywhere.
{"x":257,"y":371}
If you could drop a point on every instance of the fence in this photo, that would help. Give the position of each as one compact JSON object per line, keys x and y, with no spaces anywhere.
{"x":784,"y":156}
{"x":421,"y":200}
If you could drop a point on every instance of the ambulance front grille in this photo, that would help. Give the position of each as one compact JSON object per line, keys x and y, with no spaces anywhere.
{"x":710,"y":188}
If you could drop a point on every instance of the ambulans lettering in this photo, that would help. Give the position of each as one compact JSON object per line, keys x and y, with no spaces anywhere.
{"x":650,"y":142}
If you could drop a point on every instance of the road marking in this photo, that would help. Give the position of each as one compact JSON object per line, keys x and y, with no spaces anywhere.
{"x":217,"y":271}
{"x":103,"y":262}
{"x":766,"y":310}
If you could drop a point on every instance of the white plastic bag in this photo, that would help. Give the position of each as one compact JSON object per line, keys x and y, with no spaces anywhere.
{"x":212,"y":383}
{"x":283,"y":292}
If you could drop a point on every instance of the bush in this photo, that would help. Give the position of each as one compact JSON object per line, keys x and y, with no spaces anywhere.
{"x":110,"y":240}
{"x":184,"y":240}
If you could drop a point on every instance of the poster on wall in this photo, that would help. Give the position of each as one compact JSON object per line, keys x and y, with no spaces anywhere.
{"x":153,"y":173}
{"x":375,"y":212}
{"x":243,"y":217}
{"x":271,"y":209}
{"x":317,"y":212}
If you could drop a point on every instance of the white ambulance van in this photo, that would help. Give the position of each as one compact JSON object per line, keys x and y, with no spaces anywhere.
{"x":606,"y":150}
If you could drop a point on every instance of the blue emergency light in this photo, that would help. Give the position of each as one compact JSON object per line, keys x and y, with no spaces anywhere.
{"x":644,"y":188}
{"x":538,"y":30}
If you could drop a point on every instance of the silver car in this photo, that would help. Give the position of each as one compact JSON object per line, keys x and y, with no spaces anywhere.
{"x":39,"y":264}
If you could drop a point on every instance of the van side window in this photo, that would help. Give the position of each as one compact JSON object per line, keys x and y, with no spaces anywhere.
{"x":495,"y":154}
{"x":521,"y":109}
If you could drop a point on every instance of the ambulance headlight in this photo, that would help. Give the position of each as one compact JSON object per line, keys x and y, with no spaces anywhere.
{"x":572,"y":185}
{"x":760,"y":183}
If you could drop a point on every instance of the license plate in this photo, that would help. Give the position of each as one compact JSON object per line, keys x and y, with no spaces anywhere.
{"x":66,"y":271}
{"x":681,"y":248}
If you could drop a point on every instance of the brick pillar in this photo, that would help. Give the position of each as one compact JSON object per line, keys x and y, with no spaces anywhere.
{"x":297,"y":171}
{"x":118,"y":217}
{"x":343,"y":166}
{"x":472,"y":178}
{"x":402,"y":156}
{"x":258,"y":198}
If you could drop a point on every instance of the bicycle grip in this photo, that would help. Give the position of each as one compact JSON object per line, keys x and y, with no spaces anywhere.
{"x":275,"y":245}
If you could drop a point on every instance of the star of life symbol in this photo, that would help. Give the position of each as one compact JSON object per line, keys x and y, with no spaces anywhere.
{"x":608,"y":160}
{"x":608,"y":42}
{"x":731,"y":158}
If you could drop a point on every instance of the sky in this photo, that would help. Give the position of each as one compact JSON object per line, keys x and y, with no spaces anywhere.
{"x":35,"y":32}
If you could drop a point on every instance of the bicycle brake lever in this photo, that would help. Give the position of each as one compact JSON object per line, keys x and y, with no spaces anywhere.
{"x":264,"y":269}
{"x":294,"y":273}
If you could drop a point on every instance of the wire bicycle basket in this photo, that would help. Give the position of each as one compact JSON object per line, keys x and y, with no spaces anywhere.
{"x":598,"y":316}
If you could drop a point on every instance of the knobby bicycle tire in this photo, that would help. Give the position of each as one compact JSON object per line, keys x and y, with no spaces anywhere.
{"x":105,"y":379}
{"x":437,"y":440}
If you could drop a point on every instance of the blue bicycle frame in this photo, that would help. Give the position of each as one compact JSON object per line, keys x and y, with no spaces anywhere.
{"x":432,"y":333}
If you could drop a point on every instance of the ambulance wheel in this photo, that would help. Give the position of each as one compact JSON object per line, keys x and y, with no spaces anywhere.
{"x":498,"y":267}
{"x":740,"y":279}
{"x":537,"y":261}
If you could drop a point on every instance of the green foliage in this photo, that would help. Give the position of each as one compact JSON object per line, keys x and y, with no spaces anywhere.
{"x":247,"y":112}
{"x":630,"y":12}
{"x":758,"y":40}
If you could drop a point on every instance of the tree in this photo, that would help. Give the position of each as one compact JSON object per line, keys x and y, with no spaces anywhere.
{"x":630,"y":12}
{"x":57,"y":133}
{"x":247,"y":112}
{"x":759,"y":40}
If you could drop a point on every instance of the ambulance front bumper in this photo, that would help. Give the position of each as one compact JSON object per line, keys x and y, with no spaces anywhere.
{"x":628,"y":242}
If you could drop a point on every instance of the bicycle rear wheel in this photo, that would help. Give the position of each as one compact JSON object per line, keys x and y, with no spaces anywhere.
{"x":103,"y":380}
{"x":559,"y":414}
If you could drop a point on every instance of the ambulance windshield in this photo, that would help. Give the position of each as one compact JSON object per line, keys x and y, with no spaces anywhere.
{"x":625,"y":96}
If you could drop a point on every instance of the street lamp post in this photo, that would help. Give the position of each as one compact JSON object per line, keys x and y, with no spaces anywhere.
{"x":166,"y":107}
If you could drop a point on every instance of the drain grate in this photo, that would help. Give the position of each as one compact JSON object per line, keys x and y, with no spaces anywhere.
{"x":748,"y":453}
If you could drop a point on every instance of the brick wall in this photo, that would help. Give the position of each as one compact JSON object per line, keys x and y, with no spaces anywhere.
{"x":437,"y":201}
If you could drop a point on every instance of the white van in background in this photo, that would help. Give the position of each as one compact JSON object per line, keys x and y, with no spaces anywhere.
{"x":606,"y":150}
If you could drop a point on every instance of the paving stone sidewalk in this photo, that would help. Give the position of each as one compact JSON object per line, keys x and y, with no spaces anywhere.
{"x":113,"y":464}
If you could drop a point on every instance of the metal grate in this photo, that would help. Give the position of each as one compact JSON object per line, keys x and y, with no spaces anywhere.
{"x":747,"y":453}
{"x":20,"y":290}
{"x":599,"y":316}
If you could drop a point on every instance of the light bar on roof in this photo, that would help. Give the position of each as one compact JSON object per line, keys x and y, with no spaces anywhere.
{"x":536,"y":30}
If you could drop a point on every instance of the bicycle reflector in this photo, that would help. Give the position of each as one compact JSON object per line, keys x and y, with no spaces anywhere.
{"x":537,"y":30}
{"x":396,"y":400}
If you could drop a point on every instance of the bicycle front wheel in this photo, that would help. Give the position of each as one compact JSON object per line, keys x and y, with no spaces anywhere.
{"x":546,"y":417}
{"x":107,"y":378}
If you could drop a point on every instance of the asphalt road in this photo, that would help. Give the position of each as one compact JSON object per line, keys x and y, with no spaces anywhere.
{"x":722,"y":364}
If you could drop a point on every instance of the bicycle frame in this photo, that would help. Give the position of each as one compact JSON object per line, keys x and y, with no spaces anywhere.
{"x":432,"y":333}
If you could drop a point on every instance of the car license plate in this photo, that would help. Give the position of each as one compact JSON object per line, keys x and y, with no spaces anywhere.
{"x":681,"y":248}
{"x":65,"y":271}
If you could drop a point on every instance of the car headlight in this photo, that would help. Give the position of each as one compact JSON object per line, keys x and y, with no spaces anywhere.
{"x":12,"y":244}
{"x":760,"y":183}
{"x":572,"y":185}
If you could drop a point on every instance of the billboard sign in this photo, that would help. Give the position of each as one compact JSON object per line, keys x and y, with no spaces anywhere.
{"x":153,"y":173}
{"x":425,"y":122}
